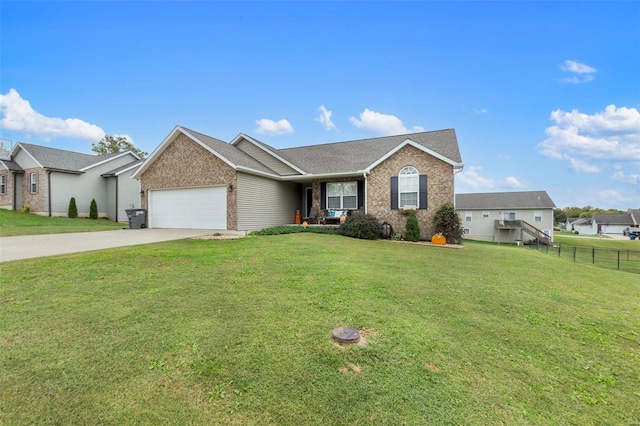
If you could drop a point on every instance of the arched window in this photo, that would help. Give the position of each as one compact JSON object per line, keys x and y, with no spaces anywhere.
{"x":408,"y":186}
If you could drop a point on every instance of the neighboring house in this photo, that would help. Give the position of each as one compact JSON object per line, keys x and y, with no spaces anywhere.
{"x":506,"y":216}
{"x":607,"y":223}
{"x":46,"y":178}
{"x":578,"y":224}
{"x":192,"y":180}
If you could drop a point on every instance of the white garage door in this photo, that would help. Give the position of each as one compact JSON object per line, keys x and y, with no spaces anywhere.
{"x":196,"y":208}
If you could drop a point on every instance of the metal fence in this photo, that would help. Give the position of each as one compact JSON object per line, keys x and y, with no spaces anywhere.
{"x":626,"y":260}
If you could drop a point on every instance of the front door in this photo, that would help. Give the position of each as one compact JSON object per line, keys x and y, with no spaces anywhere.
{"x":309,"y":201}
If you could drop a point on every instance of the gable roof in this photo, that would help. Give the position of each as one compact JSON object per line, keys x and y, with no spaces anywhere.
{"x":359,"y":155}
{"x":613,"y":219}
{"x":505,"y":200}
{"x":122,"y":169}
{"x":338,"y":158}
{"x":635,"y":216}
{"x":61,"y":160}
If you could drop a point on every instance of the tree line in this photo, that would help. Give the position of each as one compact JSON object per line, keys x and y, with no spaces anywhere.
{"x":561,"y":215}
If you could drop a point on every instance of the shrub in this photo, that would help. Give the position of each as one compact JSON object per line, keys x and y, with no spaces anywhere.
{"x":447,"y":222}
{"x":363,"y":226}
{"x":73,"y":209}
{"x":26,"y":209}
{"x":412,"y":232}
{"x":93,"y":209}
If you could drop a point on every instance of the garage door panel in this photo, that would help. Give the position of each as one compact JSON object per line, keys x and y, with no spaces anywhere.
{"x":198,"y":208}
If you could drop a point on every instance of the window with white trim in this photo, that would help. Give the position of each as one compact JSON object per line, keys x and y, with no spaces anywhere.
{"x":468,"y":216}
{"x":33,"y":183}
{"x":408,"y":186}
{"x":537,"y":216}
{"x":342,"y":195}
{"x":485,"y":214}
{"x":3,"y":184}
{"x":508,"y":215}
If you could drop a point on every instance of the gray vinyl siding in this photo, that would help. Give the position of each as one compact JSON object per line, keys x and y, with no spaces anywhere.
{"x":129,"y":195}
{"x":85,"y":187}
{"x":265,"y":158}
{"x":264,"y":202}
{"x":110,"y":208}
{"x":24,"y":160}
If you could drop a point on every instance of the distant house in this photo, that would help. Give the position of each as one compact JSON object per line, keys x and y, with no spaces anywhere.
{"x":607,"y":223}
{"x":506,"y":217}
{"x":192,"y":180}
{"x":45,"y":179}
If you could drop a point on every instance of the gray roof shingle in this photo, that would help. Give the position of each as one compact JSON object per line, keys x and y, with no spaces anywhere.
{"x":52,"y":158}
{"x":231,"y":152}
{"x":352,"y":156}
{"x":504,"y":200}
{"x":613,"y":219}
{"x":11,"y":165}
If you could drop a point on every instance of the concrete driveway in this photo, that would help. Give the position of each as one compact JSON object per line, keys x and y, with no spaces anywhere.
{"x":30,"y":246}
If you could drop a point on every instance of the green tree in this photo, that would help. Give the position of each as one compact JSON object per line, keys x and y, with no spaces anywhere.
{"x":412,"y":228}
{"x":559,"y":216}
{"x":73,"y":209}
{"x":93,"y":209}
{"x":446,"y":221}
{"x":109,"y":144}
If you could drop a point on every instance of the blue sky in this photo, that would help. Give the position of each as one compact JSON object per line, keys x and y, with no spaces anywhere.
{"x":542,"y":95}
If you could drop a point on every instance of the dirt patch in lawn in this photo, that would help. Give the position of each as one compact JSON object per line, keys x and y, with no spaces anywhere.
{"x":219,"y":236}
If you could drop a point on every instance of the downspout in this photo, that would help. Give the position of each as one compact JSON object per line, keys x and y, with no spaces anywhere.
{"x":49,"y":190}
{"x":454,"y":185}
{"x":366,"y":198}
{"x":117,"y":198}
{"x":15,"y":190}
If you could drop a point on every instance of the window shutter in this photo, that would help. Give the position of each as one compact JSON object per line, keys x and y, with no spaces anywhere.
{"x":360,"y":194}
{"x":422,"y":196}
{"x":323,"y":196}
{"x":394,"y":192}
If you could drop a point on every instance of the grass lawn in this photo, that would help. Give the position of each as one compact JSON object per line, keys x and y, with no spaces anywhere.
{"x":14,"y":223}
{"x":238,"y":332}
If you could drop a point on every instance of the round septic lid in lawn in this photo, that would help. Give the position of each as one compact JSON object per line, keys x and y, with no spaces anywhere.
{"x":345,"y":335}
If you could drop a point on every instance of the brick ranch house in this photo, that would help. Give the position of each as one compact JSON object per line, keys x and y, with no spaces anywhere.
{"x":192,"y":180}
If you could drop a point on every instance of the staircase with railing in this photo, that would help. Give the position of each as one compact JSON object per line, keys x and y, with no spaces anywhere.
{"x":523,"y":226}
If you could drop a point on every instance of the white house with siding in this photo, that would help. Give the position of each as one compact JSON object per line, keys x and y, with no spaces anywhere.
{"x":506,"y":217}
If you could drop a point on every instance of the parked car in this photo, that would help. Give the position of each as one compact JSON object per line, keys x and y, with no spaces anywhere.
{"x":631,"y":231}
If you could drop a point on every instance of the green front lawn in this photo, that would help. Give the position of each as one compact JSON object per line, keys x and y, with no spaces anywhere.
{"x":238,"y":332}
{"x":14,"y":223}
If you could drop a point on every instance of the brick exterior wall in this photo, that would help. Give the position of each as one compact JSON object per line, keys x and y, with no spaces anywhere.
{"x":6,"y":199}
{"x":37,"y":202}
{"x":185,"y":164}
{"x":439,"y":188}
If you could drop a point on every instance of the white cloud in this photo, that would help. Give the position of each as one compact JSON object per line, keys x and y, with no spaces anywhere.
{"x":482,"y":111}
{"x":270,"y":127}
{"x":325,"y":118}
{"x":621,"y":176}
{"x":582,"y":73}
{"x":611,"y":196}
{"x":382,"y":124}
{"x":577,"y":67}
{"x":18,"y":115}
{"x":610,"y":135}
{"x":471,"y":180}
{"x":582,"y":166}
{"x":513,"y":182}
